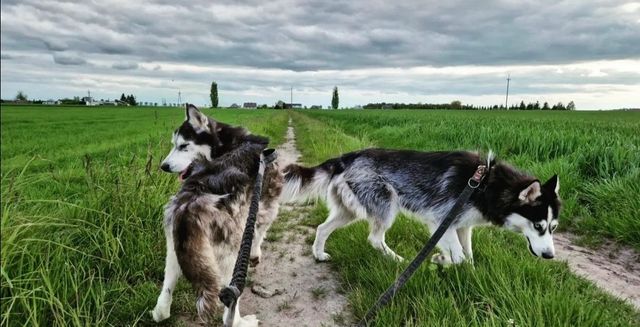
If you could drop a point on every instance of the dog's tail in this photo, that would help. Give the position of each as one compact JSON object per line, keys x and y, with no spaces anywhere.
{"x":195,"y":252}
{"x":308,"y":183}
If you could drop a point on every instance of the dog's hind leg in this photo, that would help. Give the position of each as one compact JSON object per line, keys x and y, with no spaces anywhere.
{"x":238,"y":321}
{"x":265,"y":218}
{"x":338,"y":217}
{"x":464,"y":236}
{"x":172,"y":272}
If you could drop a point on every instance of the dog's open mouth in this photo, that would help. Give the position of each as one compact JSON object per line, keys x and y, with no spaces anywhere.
{"x":185,"y":173}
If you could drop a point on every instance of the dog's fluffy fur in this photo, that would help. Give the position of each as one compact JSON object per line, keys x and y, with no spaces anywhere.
{"x":205,"y":220}
{"x":376,"y":184}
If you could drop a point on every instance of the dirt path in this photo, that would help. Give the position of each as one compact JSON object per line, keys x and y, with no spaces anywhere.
{"x":305,"y":293}
{"x":613,"y":269}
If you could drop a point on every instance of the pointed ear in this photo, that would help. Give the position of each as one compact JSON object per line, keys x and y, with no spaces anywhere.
{"x":198,"y":120}
{"x":553,"y":184}
{"x":530,"y":193}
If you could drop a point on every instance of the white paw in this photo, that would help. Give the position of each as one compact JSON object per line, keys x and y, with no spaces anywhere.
{"x":441,"y":259}
{"x":247,"y":321}
{"x":324,"y":256}
{"x":160,"y":313}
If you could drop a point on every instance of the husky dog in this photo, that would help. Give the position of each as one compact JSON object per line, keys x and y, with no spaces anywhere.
{"x":205,"y":220}
{"x":376,"y":184}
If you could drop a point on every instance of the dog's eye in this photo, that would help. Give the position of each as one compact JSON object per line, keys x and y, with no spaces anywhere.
{"x":183,"y":146}
{"x":537,"y":226}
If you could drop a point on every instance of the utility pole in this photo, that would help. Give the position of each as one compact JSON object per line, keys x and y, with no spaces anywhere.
{"x":506,"y":101}
{"x":179,"y":98}
{"x":291,"y":99}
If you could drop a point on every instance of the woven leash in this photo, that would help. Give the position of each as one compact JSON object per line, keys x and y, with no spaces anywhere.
{"x":230,"y":294}
{"x":386,"y":297}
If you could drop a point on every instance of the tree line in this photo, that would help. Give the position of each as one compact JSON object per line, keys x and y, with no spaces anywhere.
{"x":457,"y":105}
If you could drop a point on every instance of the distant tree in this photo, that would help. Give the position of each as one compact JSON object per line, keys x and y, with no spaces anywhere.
{"x":123,"y":98}
{"x":529,"y":106}
{"x":456,"y":104}
{"x":131,"y":100}
{"x":571,"y":106}
{"x":21,"y":96}
{"x":279,"y":105}
{"x":536,"y":106}
{"x":214,"y":94}
{"x":335,"y":100}
{"x":522,"y":106}
{"x":545,"y":106}
{"x":155,"y":104}
{"x":560,"y":106}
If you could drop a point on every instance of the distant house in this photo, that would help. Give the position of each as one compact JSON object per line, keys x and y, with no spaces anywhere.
{"x":292,"y":106}
{"x":90,"y":101}
{"x":250,"y":105}
{"x":316,"y":107}
{"x":234,"y":106}
{"x":51,"y":102}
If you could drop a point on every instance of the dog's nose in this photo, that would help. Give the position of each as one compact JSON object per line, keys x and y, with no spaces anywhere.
{"x":165,"y":167}
{"x":547,"y":255}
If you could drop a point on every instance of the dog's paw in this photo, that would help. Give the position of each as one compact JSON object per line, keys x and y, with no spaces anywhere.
{"x":160,"y":313}
{"x":254,"y":261}
{"x":321,"y":257}
{"x":247,"y":321}
{"x":441,"y":259}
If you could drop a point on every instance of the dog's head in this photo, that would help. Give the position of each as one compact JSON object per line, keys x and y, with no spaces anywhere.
{"x":534,"y":212}
{"x":200,"y":137}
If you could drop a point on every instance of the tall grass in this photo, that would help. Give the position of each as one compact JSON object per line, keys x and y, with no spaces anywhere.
{"x":82,"y":199}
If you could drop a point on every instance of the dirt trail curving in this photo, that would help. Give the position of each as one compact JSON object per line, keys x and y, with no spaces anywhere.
{"x":614,"y":269}
{"x":288,"y":288}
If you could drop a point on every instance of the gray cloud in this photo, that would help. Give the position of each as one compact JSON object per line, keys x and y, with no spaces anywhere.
{"x":55,"y":45}
{"x":124,"y":65}
{"x":68,"y":59}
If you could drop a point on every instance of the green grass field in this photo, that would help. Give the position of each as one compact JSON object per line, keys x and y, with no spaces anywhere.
{"x":82,"y":200}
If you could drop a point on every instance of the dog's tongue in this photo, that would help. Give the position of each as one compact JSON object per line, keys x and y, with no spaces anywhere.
{"x":181,"y":177}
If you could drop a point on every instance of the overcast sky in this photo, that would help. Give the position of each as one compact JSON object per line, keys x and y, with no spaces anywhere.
{"x":374,"y":51}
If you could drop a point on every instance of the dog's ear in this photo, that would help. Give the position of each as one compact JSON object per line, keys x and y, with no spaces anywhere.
{"x":530,"y":193}
{"x":197,"y":119}
{"x":553,"y":184}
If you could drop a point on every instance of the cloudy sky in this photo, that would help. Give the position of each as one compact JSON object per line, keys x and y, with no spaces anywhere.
{"x":374,"y":51}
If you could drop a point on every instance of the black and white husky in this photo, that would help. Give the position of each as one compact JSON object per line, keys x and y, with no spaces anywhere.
{"x":205,"y":220}
{"x":376,"y":184}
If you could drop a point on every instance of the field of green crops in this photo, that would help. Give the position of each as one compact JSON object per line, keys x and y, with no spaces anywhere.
{"x":82,"y":201}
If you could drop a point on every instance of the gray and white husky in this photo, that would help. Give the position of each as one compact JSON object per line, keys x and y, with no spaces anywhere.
{"x":205,"y":220}
{"x":376,"y":184}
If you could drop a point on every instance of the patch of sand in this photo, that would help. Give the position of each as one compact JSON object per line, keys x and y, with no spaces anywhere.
{"x":612,"y":268}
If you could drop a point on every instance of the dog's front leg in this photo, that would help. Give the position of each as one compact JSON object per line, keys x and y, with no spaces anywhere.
{"x":452,"y":252}
{"x":464,"y":236}
{"x":172,"y":272}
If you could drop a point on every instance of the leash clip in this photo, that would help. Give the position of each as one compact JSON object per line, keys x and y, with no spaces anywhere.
{"x":475,"y":180}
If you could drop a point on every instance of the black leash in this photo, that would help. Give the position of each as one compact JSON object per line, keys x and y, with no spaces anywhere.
{"x":230,"y":294}
{"x":384,"y":299}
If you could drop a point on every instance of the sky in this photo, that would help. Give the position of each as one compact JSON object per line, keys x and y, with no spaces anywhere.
{"x":584,"y":51}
